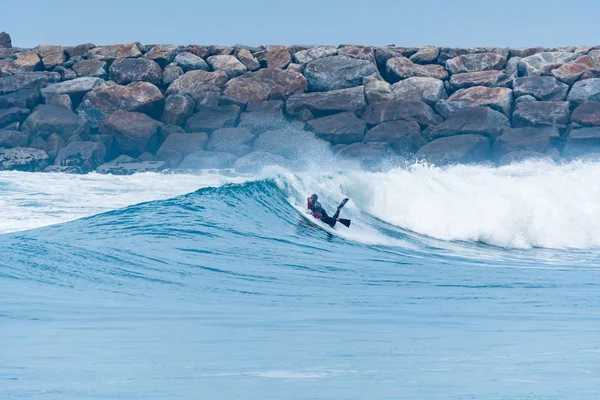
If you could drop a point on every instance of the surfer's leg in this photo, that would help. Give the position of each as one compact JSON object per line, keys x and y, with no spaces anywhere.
{"x":329,"y":220}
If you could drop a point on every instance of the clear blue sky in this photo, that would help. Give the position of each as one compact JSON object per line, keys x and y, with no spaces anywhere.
{"x":404,"y":23}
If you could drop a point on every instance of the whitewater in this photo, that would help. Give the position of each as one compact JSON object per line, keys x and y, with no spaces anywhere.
{"x":461,"y":282}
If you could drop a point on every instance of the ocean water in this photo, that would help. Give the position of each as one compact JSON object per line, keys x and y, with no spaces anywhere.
{"x":465,"y":282}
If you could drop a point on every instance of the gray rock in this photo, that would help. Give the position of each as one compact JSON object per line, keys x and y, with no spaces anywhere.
{"x":471,"y":79}
{"x":360,"y":52}
{"x":587,"y":114}
{"x":462,"y":149}
{"x":476,"y":62}
{"x":321,"y":104}
{"x":46,"y":120}
{"x":30,"y":80}
{"x":446,"y":108}
{"x":428,"y":90}
{"x":235,"y":141}
{"x":446,"y":53}
{"x":337,"y":72}
{"x":207,"y":160}
{"x":543,"y":63}
{"x":137,"y":97}
{"x":257,"y":160}
{"x":5,"y":40}
{"x":541,"y":140}
{"x":91,"y":68}
{"x":383,"y":54}
{"x":404,"y":137}
{"x":275,"y":57}
{"x":164,"y":54}
{"x":586,"y":90}
{"x":480,"y":120}
{"x":127,"y":70}
{"x":85,"y":155}
{"x":512,"y":66}
{"x":171,"y":73}
{"x":66,"y":169}
{"x":38,"y":143}
{"x":79,"y":50}
{"x":370,"y":154}
{"x":228,"y":64}
{"x":541,"y":113}
{"x":305,"y":56}
{"x":179,"y":145}
{"x":13,"y":114}
{"x":209,"y":119}
{"x":248,"y":60}
{"x":574,"y":70}
{"x":526,"y":52}
{"x":197,"y":84}
{"x":581,"y":142}
{"x":500,"y":99}
{"x":133,"y":133}
{"x":10,"y":138}
{"x":60,"y":100}
{"x":543,"y":88}
{"x":524,"y":99}
{"x":53,"y":144}
{"x":75,"y":88}
{"x":190,"y":62}
{"x":377,"y":91}
{"x":178,"y":108}
{"x":343,"y":128}
{"x":23,"y":159}
{"x":27,"y":98}
{"x":65,"y":73}
{"x":124,"y":165}
{"x":267,"y":84}
{"x":398,"y":68}
{"x":111,"y":53}
{"x":292,"y":144}
{"x":92,"y":115}
{"x":396,"y":109}
{"x":525,"y":155}
{"x":426,"y":55}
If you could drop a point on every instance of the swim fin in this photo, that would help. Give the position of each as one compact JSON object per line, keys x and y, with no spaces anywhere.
{"x":342,"y":204}
{"x":345,"y":222}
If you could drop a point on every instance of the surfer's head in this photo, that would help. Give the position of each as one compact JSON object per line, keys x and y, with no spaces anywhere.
{"x":314,"y":198}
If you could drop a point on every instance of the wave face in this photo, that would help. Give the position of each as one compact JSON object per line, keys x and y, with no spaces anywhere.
{"x":467,"y":281}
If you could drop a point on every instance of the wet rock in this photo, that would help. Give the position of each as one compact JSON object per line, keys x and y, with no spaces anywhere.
{"x":343,"y":128}
{"x":587,"y":114}
{"x":46,"y":120}
{"x":124,"y":165}
{"x":171,"y":73}
{"x":228,"y":64}
{"x":248,"y":60}
{"x":581,"y":142}
{"x":428,"y":90}
{"x":322,"y":104}
{"x":27,"y":62}
{"x":235,"y":141}
{"x":30,"y":80}
{"x":462,"y":149}
{"x":13,"y":114}
{"x":257,"y":160}
{"x":54,"y":143}
{"x":378,"y":91}
{"x":541,"y":113}
{"x":5,"y":40}
{"x":275,"y":57}
{"x":479,"y":120}
{"x":305,"y":56}
{"x":133,"y":133}
{"x":64,"y":169}
{"x":10,"y":139}
{"x":111,"y":53}
{"x":397,"y":109}
{"x":91,"y":68}
{"x":23,"y":159}
{"x":337,"y":72}
{"x":207,"y":160}
{"x":471,"y":79}
{"x":52,"y":56}
{"x":426,"y":55}
{"x":75,"y":88}
{"x":525,"y":155}
{"x":499,"y":99}
{"x":190,"y":62}
{"x":398,"y":68}
{"x":178,"y":108}
{"x":543,"y":63}
{"x":127,"y":70}
{"x":404,"y":137}
{"x":541,"y":140}
{"x":138,"y":97}
{"x":360,"y":52}
{"x":179,"y":145}
{"x":582,"y":91}
{"x":211,"y":118}
{"x":196,"y":84}
{"x":572,"y":71}
{"x":267,"y":84}
{"x":543,"y":88}
{"x":476,"y":62}
{"x":79,"y":50}
{"x":85,"y":155}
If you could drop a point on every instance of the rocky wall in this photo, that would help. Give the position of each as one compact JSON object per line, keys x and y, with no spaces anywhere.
{"x":134,"y":107}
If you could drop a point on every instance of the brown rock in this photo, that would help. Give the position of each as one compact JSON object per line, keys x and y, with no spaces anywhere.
{"x":79,"y":50}
{"x":111,"y":53}
{"x":399,"y":68}
{"x":133,"y":133}
{"x":266,"y":84}
{"x":127,"y":70}
{"x":197,"y":83}
{"x":5,"y":40}
{"x":52,"y":56}
{"x":360,"y":52}
{"x":138,"y":96}
{"x":572,"y":71}
{"x":310,"y":105}
{"x":426,"y":55}
{"x":397,"y":109}
{"x":28,"y":62}
{"x":91,"y":68}
{"x":587,"y":114}
{"x":471,"y":79}
{"x":343,"y":128}
{"x":248,"y":60}
{"x":500,"y":99}
{"x":476,"y":62}
{"x":178,"y":108}
{"x":275,"y":57}
{"x":209,"y":119}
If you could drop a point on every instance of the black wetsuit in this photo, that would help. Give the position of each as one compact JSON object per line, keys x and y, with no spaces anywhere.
{"x":316,"y":208}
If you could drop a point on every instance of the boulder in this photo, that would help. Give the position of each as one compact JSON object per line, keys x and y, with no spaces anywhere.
{"x":573,"y":70}
{"x":426,"y":55}
{"x":471,"y":79}
{"x":586,"y":90}
{"x":211,"y":118}
{"x":337,"y":72}
{"x":10,"y":139}
{"x":111,"y":53}
{"x":199,"y":160}
{"x":79,"y":50}
{"x":178,"y":108}
{"x":164,"y":54}
{"x":179,"y":145}
{"x":85,"y":155}
{"x":137,"y":97}
{"x":321,"y":104}
{"x":92,"y":115}
{"x":581,"y":142}
{"x":499,"y":99}
{"x":46,"y":120}
{"x":356,"y":51}
{"x":540,"y":139}
{"x":512,"y":66}
{"x":235,"y":141}
{"x":383,"y":54}
{"x":133,"y":133}
{"x":13,"y":114}
{"x":397,"y":109}
{"x":266,"y":84}
{"x":543,"y":88}
{"x":60,"y":100}
{"x":303,"y":57}
{"x":197,"y":84}
{"x":218,"y":51}
{"x":248,"y":60}
{"x":54,"y":143}
{"x":369,"y":154}
{"x":200,"y":51}
{"x":52,"y":56}
{"x":342,"y":128}
{"x":526,"y":51}
{"x":27,"y":98}
{"x":291,"y":144}
{"x":479,"y":120}
{"x":171,"y":73}
{"x":259,"y":122}
{"x":377,"y":91}
{"x":5,"y":40}
{"x":404,"y":137}
{"x":31,"y":80}
{"x":447,"y":53}
{"x":257,"y":160}
{"x":165,"y":130}
{"x":523,"y":99}
{"x":228,"y":64}
{"x":91,"y":68}
{"x":75,"y":88}
{"x":275,"y":57}
{"x":125,"y":165}
{"x":476,"y":62}
{"x":190,"y":62}
{"x":127,"y":70}
{"x":27,"y":62}
{"x":520,"y":156}
{"x":463,"y":149}
{"x":543,"y":63}
{"x":587,"y":114}
{"x":23,"y":159}
{"x":428,"y":90}
{"x":541,"y":113}
{"x":398,"y":68}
